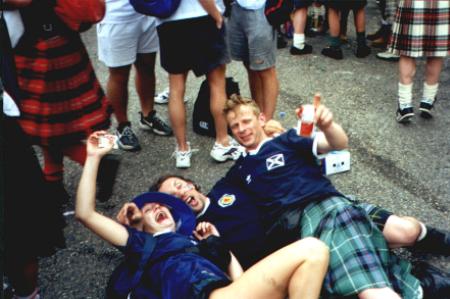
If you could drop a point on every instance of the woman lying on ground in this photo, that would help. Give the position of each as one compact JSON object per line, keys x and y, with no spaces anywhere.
{"x":169,"y":263}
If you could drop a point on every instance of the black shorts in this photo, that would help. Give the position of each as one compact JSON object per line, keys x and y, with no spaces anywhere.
{"x":193,"y":44}
{"x":345,"y":4}
{"x":302,"y":3}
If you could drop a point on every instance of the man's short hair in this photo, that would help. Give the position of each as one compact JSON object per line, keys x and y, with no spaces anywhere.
{"x":157,"y":185}
{"x":236,"y":100}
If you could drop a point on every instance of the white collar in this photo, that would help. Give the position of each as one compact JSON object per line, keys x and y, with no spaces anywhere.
{"x":256,"y":150}
{"x":205,"y":207}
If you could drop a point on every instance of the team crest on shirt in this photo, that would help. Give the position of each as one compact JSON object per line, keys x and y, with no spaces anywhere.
{"x":226,"y":200}
{"x":275,"y":161}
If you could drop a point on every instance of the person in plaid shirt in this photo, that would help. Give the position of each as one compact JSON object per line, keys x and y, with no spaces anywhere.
{"x":283,"y":177}
{"x":421,"y":29}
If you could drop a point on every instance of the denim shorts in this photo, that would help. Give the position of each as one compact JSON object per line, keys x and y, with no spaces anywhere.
{"x":251,"y":38}
{"x":192,"y":44}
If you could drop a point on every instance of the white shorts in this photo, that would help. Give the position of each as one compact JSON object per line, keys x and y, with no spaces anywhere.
{"x":119,"y":44}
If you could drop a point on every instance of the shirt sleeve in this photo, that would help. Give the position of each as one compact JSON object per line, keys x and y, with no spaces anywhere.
{"x":302,"y":144}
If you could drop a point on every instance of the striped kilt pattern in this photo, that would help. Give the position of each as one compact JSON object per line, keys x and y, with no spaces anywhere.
{"x":421,"y":28}
{"x":359,"y":256}
{"x":62,"y":101}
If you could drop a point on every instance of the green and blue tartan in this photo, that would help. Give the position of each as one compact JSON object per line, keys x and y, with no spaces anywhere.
{"x":359,"y":256}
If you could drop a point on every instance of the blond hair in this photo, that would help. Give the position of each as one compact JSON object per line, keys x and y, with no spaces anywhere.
{"x":237,"y":100}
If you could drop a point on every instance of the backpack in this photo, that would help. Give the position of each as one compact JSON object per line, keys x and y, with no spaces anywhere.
{"x":202,"y":119}
{"x":278,"y":11}
{"x":158,"y":8}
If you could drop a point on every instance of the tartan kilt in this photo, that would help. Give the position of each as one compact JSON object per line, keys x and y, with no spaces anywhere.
{"x":61,"y":101}
{"x":421,"y":28}
{"x":359,"y":256}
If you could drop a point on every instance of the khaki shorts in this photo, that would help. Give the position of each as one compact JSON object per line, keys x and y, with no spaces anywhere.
{"x":119,"y":44}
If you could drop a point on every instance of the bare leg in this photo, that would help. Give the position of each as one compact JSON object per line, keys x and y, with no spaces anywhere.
{"x":117,"y":91}
{"x":433,"y":70}
{"x":299,"y":20}
{"x":216,"y":80}
{"x":360,"y":20}
{"x":401,"y":231}
{"x":298,"y":268}
{"x":270,"y":91}
{"x":407,"y":69}
{"x":334,"y":22}
{"x":145,"y":81}
{"x":255,"y":87}
{"x":381,"y":293}
{"x":177,"y":112}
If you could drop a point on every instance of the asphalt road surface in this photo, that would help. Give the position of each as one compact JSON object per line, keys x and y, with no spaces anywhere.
{"x":404,"y":168}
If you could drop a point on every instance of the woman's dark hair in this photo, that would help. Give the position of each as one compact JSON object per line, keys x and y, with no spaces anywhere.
{"x":157,"y":185}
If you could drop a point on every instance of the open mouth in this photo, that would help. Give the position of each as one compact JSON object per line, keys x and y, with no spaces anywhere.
{"x":160,"y":217}
{"x":190,"y":200}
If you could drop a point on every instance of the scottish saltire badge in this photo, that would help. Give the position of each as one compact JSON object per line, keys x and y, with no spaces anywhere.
{"x":226,"y":200}
{"x":275,"y":161}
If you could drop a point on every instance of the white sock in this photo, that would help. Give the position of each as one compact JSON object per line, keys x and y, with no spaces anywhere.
{"x":429,"y":92}
{"x":299,"y":40}
{"x":423,"y":232}
{"x":404,"y":95}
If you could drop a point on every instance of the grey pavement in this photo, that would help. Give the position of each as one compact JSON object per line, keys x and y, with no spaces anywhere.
{"x":404,"y":168}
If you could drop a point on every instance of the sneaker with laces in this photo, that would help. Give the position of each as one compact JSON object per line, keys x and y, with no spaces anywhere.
{"x":333,"y":52}
{"x":127,"y":140}
{"x":425,"y":108}
{"x":405,"y":114}
{"x":183,"y":158}
{"x":388,"y":56}
{"x":163,"y":97}
{"x":154,"y":124}
{"x":221,"y":153}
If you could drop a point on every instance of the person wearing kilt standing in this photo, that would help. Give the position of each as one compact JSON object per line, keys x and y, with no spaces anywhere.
{"x":61,"y":101}
{"x":421,"y":29}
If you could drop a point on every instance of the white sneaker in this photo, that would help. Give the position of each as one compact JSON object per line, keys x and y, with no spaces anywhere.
{"x":183,"y":159}
{"x":163,"y":97}
{"x":388,"y":56}
{"x":222,"y":153}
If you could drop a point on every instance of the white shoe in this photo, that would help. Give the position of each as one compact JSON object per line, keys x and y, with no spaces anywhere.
{"x":163,"y":97}
{"x":388,"y":56}
{"x":183,"y":159}
{"x":221,"y":153}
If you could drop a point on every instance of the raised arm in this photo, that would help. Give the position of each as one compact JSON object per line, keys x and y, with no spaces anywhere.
{"x":334,"y":137}
{"x":104,"y":227}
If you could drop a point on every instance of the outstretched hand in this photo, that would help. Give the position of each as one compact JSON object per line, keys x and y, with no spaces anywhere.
{"x":99,"y":144}
{"x":205,"y":230}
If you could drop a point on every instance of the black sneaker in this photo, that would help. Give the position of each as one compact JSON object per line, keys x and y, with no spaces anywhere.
{"x":425,"y":108}
{"x":333,"y":52}
{"x":127,"y":140}
{"x":281,"y":42}
{"x":435,"y":241}
{"x":155,"y":124}
{"x":362,"y":51}
{"x":106,"y":177}
{"x":404,"y":115}
{"x":307,"y":49}
{"x":435,"y":282}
